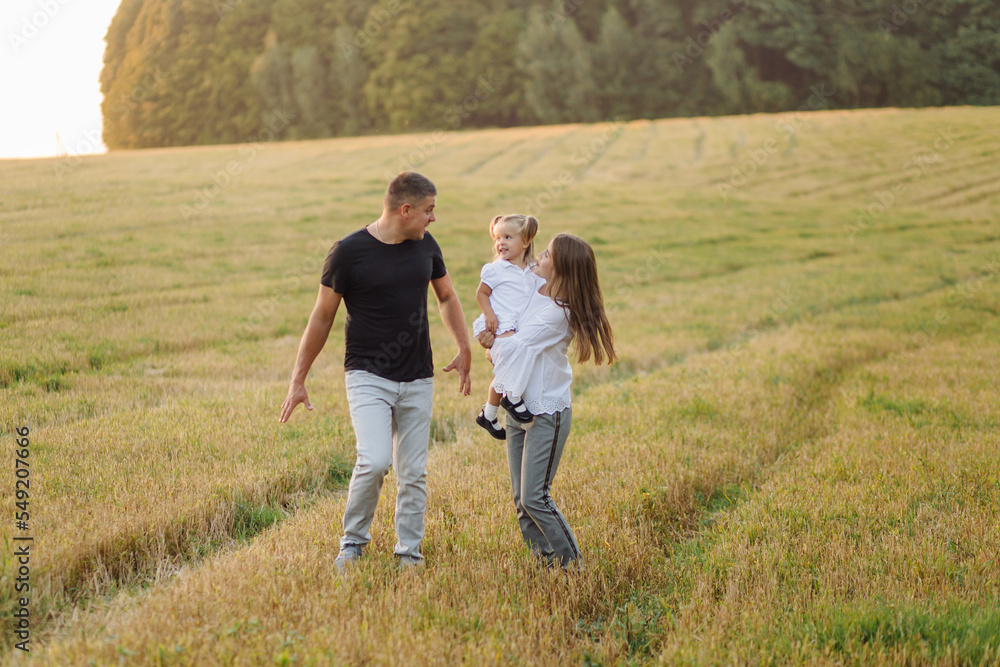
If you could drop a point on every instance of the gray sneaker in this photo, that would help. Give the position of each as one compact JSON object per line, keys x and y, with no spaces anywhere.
{"x":410,"y":562}
{"x":348,"y":554}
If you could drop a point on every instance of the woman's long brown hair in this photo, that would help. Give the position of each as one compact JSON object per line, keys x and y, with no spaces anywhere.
{"x":574,"y":284}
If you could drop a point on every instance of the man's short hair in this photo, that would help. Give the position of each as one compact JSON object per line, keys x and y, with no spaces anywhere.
{"x":409,"y":188}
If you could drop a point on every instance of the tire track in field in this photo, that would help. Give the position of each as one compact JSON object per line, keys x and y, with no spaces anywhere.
{"x":837,"y":164}
{"x":37,"y":371}
{"x":949,"y":168}
{"x":832,"y":167}
{"x":870,"y":176}
{"x":633,"y":370}
{"x":870,"y":179}
{"x":935,"y":171}
{"x":807,"y":402}
{"x":489,"y":158}
{"x":608,"y":145}
{"x":937,"y":197}
{"x":653,"y":132}
{"x":794,"y":168}
{"x":987,"y":194}
{"x":123,"y":569}
{"x":676,"y":511}
{"x":127,"y":562}
{"x":160,"y":572}
{"x":145,"y":555}
{"x":803,"y":419}
{"x":542,"y":152}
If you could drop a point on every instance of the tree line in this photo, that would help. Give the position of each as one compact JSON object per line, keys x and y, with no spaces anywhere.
{"x":181,"y":72}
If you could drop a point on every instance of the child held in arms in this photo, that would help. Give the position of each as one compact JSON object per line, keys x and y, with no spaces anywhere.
{"x":506,"y":283}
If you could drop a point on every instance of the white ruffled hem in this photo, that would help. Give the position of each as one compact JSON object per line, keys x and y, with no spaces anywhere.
{"x":513,"y":378}
{"x":479,"y":326}
{"x":547,"y":406}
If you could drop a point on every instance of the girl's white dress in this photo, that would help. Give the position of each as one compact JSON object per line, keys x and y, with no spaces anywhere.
{"x":511,"y":286}
{"x":533,"y":363}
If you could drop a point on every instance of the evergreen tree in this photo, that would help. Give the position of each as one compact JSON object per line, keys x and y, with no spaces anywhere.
{"x":621,"y":69}
{"x":962,"y":40}
{"x":236,"y":114}
{"x":497,"y":97}
{"x":272,"y":77}
{"x":559,"y":86}
{"x":309,"y":90}
{"x":347,"y":109}
{"x":419,"y":64}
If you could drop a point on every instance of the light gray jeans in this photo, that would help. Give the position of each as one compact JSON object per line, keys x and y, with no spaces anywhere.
{"x":392,"y":422}
{"x":533,"y":453}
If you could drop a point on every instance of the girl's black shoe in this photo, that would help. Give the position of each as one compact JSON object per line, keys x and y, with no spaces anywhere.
{"x":520,"y":416}
{"x":492,"y":427}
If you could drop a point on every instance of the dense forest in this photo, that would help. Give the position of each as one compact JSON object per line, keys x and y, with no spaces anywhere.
{"x":179,"y":72}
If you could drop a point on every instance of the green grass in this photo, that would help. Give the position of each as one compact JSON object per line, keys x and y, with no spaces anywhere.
{"x":956,"y":633}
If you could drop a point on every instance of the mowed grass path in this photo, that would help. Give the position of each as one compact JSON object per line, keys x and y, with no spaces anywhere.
{"x":795,"y":459}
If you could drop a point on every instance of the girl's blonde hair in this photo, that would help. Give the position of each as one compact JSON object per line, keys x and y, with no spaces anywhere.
{"x":525,"y":225}
{"x":575,"y":286}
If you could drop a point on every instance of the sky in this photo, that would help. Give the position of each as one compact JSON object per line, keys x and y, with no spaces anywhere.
{"x":51,"y":53}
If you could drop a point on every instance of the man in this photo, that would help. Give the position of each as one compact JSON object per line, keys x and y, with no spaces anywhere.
{"x":381,"y":273}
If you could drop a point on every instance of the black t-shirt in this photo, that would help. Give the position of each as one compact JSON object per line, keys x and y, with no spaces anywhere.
{"x":385,"y":290}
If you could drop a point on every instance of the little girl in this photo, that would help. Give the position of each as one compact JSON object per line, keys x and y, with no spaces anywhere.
{"x":506,"y":283}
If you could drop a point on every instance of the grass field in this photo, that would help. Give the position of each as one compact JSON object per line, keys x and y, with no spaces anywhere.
{"x":795,"y":461}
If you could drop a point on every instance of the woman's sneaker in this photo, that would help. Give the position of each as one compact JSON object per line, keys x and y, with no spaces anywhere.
{"x":492,"y":427}
{"x":517,"y":411}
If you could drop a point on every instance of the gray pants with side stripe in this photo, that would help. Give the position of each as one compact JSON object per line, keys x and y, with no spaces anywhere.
{"x":533,"y":453}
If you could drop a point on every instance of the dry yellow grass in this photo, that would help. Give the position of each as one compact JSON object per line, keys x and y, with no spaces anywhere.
{"x":794,"y":461}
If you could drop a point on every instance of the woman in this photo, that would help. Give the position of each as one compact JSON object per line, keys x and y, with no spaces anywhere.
{"x":533,"y":365}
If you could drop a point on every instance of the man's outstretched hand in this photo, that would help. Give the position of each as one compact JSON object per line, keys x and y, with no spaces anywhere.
{"x":462,"y":363}
{"x":296,"y":394}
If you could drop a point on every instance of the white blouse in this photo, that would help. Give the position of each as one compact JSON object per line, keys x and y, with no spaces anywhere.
{"x":511,"y":286}
{"x":533,"y":363}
